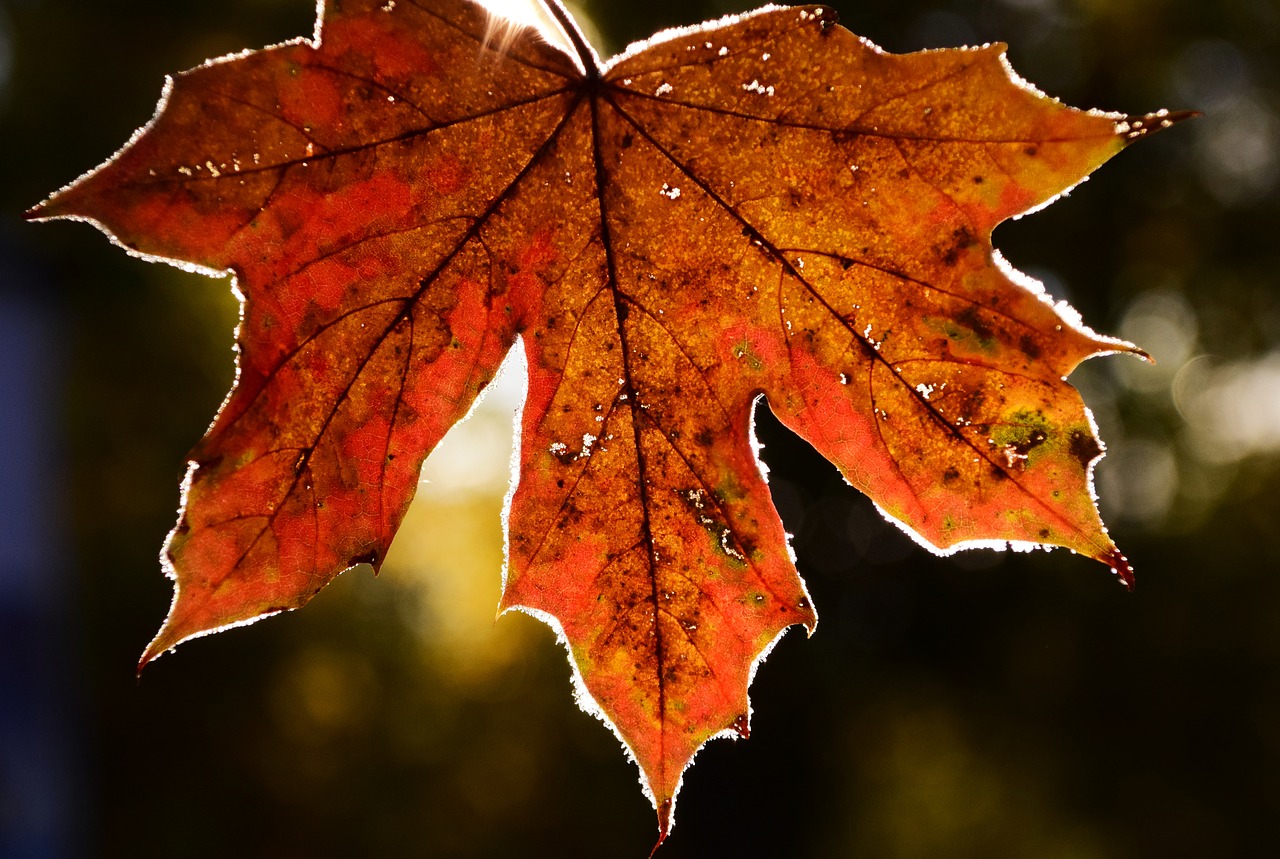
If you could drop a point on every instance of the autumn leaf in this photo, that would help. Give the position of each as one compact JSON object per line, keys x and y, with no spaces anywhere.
{"x":764,"y":205}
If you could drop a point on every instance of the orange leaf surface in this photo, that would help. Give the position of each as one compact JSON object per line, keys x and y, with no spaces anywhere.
{"x":765,"y":205}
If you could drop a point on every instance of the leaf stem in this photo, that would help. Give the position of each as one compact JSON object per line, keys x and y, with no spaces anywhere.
{"x":586,"y":54}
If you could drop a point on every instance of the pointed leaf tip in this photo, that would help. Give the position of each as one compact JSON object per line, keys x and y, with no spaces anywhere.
{"x":1133,"y":128}
{"x":664,"y":825}
{"x":151,"y":654}
{"x":1122,"y":569}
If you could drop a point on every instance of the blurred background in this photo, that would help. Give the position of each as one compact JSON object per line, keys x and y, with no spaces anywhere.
{"x":984,"y":705}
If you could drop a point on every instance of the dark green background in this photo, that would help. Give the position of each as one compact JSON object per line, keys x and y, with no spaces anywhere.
{"x":979,"y":706}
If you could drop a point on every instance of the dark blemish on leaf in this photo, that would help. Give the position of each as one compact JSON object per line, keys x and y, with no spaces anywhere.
{"x":371,"y":557}
{"x":214,"y":461}
{"x":1084,"y":448}
{"x":624,"y":310}
{"x":998,"y":474}
{"x":182,"y":529}
{"x":627,"y":140}
{"x":951,"y":475}
{"x":560,"y":483}
{"x":963,"y":240}
{"x":1031,"y":151}
{"x":1030,"y":443}
{"x":803,"y":605}
{"x":704,"y":437}
{"x":845,"y":263}
{"x":740,"y":726}
{"x":1029,"y":347}
{"x":978,"y":180}
{"x":1044,"y":533}
{"x":970,"y":319}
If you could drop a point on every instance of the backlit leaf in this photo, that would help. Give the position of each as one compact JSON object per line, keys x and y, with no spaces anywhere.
{"x":762,"y":206}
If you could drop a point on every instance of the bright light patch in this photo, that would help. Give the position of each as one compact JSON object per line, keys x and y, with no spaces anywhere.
{"x":510,"y":16}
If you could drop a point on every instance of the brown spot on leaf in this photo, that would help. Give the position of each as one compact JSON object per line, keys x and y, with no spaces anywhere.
{"x":1084,"y":447}
{"x":972,"y":319}
{"x":206,"y":464}
{"x":1033,"y":440}
{"x":371,"y":557}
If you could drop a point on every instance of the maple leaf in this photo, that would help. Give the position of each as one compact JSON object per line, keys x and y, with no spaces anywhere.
{"x":764,"y":205}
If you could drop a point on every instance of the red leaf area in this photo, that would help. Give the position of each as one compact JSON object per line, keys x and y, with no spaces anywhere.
{"x":766,"y":205}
